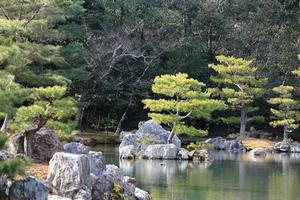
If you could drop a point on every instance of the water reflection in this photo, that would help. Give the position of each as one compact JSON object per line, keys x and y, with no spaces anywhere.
{"x":229,"y":177}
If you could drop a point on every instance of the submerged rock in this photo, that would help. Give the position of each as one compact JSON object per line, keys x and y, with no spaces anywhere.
{"x":261,"y":152}
{"x":69,"y":174}
{"x":220,"y":143}
{"x":161,"y":151}
{"x":28,"y":189}
{"x":76,"y":148}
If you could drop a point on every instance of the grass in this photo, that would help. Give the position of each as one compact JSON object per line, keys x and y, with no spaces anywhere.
{"x":251,"y":143}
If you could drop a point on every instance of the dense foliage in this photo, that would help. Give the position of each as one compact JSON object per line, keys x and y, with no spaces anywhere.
{"x":105,"y":55}
{"x":185,"y":98}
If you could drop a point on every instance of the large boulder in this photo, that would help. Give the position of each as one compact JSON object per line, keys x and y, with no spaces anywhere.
{"x":157,"y":134}
{"x":161,"y":151}
{"x":69,"y":174}
{"x":28,"y":189}
{"x":44,"y":144}
{"x":220,"y":143}
{"x":287,"y":147}
{"x":76,"y":148}
{"x":141,"y":194}
{"x":97,"y":163}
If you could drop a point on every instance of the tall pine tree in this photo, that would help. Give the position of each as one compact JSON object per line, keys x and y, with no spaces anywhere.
{"x":239,"y":86}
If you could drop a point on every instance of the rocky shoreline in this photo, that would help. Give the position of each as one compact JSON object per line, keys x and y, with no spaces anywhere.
{"x":75,"y":174}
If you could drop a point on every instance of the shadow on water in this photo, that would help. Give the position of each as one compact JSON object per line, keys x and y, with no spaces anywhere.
{"x":229,"y":177}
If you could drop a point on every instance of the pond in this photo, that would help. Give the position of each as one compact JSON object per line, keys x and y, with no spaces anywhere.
{"x":229,"y":177}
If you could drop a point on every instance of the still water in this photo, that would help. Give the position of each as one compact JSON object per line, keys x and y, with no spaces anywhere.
{"x":229,"y":177}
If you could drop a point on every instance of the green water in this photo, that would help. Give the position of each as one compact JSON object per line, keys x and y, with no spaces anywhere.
{"x":229,"y":177}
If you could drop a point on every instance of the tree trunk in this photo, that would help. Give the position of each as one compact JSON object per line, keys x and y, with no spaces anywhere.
{"x":170,"y":138}
{"x":28,"y":144}
{"x":285,"y":133}
{"x":8,"y":117}
{"x":118,"y":130}
{"x":79,"y":117}
{"x":28,"y":135}
{"x":243,"y":122}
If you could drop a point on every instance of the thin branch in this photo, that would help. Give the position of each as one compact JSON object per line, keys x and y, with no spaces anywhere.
{"x":34,"y":15}
{"x":187,"y":115}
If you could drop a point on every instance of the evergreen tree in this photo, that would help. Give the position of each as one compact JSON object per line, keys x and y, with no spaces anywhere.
{"x":239,"y":86}
{"x":41,"y":48}
{"x":49,"y":107}
{"x":184,"y":98}
{"x":286,"y":114}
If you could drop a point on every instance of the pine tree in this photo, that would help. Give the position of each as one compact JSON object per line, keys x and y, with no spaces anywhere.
{"x":49,"y":107}
{"x":239,"y":86}
{"x":184,"y":98}
{"x":41,"y":51}
{"x":286,"y":114}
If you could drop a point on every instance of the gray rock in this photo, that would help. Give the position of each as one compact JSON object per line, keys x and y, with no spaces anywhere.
{"x":103,"y":185}
{"x":130,"y":139}
{"x":129,"y":186}
{"x":76,"y":148}
{"x":183,"y":154}
{"x":83,"y":194}
{"x":97,"y":163}
{"x":68,"y":174}
{"x":141,"y":194}
{"x":5,"y":184}
{"x":202,"y":155}
{"x":161,"y":151}
{"x":158,"y":134}
{"x":55,"y":197}
{"x":287,"y":147}
{"x":3,"y":155}
{"x":261,"y":152}
{"x":44,"y":144}
{"x":124,"y":133}
{"x":127,"y":152}
{"x":28,"y":189}
{"x":16,"y":144}
{"x":220,"y":143}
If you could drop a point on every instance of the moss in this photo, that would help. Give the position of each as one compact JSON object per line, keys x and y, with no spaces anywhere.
{"x":117,"y":193}
{"x":200,"y":145}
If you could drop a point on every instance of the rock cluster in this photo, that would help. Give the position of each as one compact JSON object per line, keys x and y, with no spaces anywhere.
{"x":84,"y":175}
{"x":220,"y":143}
{"x":150,"y":142}
{"x":287,"y":147}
